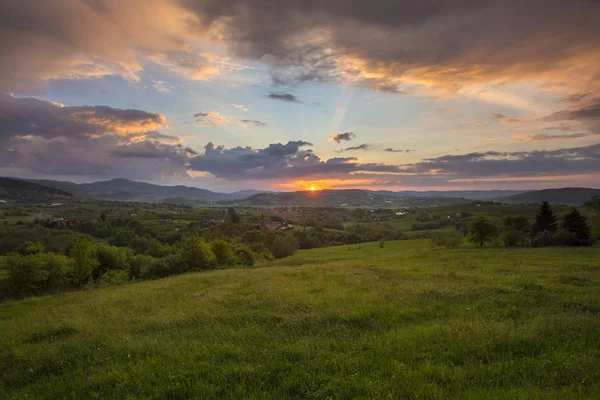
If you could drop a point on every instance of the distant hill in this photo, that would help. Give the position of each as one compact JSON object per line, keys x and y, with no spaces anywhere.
{"x":346,"y":198}
{"x":568,"y":196}
{"x":29,"y":192}
{"x":126,"y":190}
{"x":466,"y":194}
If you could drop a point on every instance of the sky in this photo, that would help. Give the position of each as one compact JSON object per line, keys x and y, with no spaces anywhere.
{"x":288,"y":95}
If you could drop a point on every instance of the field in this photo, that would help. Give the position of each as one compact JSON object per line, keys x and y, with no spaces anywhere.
{"x":402,"y":321}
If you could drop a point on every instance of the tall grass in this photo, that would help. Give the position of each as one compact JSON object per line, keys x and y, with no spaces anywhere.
{"x":402,"y":321}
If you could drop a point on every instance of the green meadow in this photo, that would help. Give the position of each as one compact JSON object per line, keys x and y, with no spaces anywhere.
{"x":352,"y":322}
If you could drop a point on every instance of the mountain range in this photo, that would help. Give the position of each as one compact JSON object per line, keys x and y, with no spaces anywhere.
{"x":37,"y":190}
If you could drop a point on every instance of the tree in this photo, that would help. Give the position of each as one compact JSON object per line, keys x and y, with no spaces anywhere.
{"x":84,"y":262}
{"x":233,"y":216}
{"x":577,"y":224}
{"x":545,"y":220}
{"x":515,"y":230}
{"x":482,"y":231}
{"x":195,"y":253}
{"x":284,"y":246}
{"x":223,"y":252}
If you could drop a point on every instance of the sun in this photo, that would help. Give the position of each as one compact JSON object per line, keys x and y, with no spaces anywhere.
{"x":312,"y":189}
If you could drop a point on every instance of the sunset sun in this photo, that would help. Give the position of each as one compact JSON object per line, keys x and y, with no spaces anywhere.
{"x":312,"y":189}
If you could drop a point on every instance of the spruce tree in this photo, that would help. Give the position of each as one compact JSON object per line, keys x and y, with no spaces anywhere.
{"x":545,"y":220}
{"x":577,"y":224}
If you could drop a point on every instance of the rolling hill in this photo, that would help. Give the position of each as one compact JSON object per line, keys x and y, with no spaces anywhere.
{"x":126,"y":190}
{"x":24,"y":191}
{"x":568,"y":196}
{"x":346,"y":198}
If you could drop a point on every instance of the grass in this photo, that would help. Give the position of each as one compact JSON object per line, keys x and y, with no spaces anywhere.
{"x":348,"y":322}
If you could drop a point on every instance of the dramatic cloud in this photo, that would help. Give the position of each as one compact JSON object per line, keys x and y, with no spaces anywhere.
{"x":521,"y":163}
{"x":254,"y":122}
{"x":30,"y":116}
{"x":339,"y":137}
{"x":290,"y":98}
{"x":386,"y":45}
{"x":211,"y":118}
{"x":277,"y":161}
{"x":41,"y":137}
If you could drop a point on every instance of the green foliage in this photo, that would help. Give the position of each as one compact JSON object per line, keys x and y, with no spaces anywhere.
{"x":110,"y":258}
{"x":233,"y":216}
{"x":284,"y":246}
{"x":578,"y":226}
{"x":545,"y":220}
{"x":481,"y":231}
{"x":223,"y":252}
{"x":30,"y":247}
{"x":245,"y":255}
{"x":493,"y":323}
{"x":450,"y":240}
{"x":84,"y":261}
{"x":34,"y":274}
{"x":543,"y":239}
{"x":195,"y":253}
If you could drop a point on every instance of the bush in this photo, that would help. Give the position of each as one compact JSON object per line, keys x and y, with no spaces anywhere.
{"x":138,"y":264}
{"x":543,"y":239}
{"x":84,"y":262}
{"x":160,"y":267}
{"x":223,"y":253}
{"x":34,"y":274}
{"x":195,"y":254}
{"x":284,"y":246}
{"x":245,"y":255}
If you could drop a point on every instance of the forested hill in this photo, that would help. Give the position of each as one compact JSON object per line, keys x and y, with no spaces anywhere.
{"x":568,"y":196}
{"x":24,"y":191}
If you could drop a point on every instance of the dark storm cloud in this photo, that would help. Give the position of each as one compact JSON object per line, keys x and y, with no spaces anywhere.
{"x":339,"y":137}
{"x":590,"y":111}
{"x":382,"y":44}
{"x":277,"y":161}
{"x":253,"y":122}
{"x":30,"y":116}
{"x":566,"y":161}
{"x":38,"y":136}
{"x":290,"y":98}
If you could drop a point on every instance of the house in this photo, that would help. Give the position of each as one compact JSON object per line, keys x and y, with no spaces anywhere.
{"x":3,"y":201}
{"x":271,"y":224}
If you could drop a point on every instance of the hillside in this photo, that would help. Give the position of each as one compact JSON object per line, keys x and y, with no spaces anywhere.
{"x":568,"y":196}
{"x":403,"y":321}
{"x":126,"y":190}
{"x":29,"y":192}
{"x":465,"y":194}
{"x":346,"y":198}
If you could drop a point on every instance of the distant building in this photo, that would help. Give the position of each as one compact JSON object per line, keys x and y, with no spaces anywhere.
{"x":3,"y":201}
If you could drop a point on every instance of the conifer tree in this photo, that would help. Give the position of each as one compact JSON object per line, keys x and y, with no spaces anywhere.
{"x":545,"y":220}
{"x":577,"y":224}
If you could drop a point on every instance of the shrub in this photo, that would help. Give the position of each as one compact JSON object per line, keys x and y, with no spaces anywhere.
{"x":543,"y":239}
{"x":223,"y":252}
{"x":195,"y":254}
{"x":84,"y":261}
{"x":154,"y":268}
{"x":245,"y":255}
{"x":284,"y":246}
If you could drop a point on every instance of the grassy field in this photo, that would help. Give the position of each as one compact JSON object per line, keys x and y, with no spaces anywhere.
{"x":403,"y":321}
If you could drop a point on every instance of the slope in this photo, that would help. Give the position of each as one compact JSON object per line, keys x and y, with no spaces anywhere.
{"x":403,"y":321}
